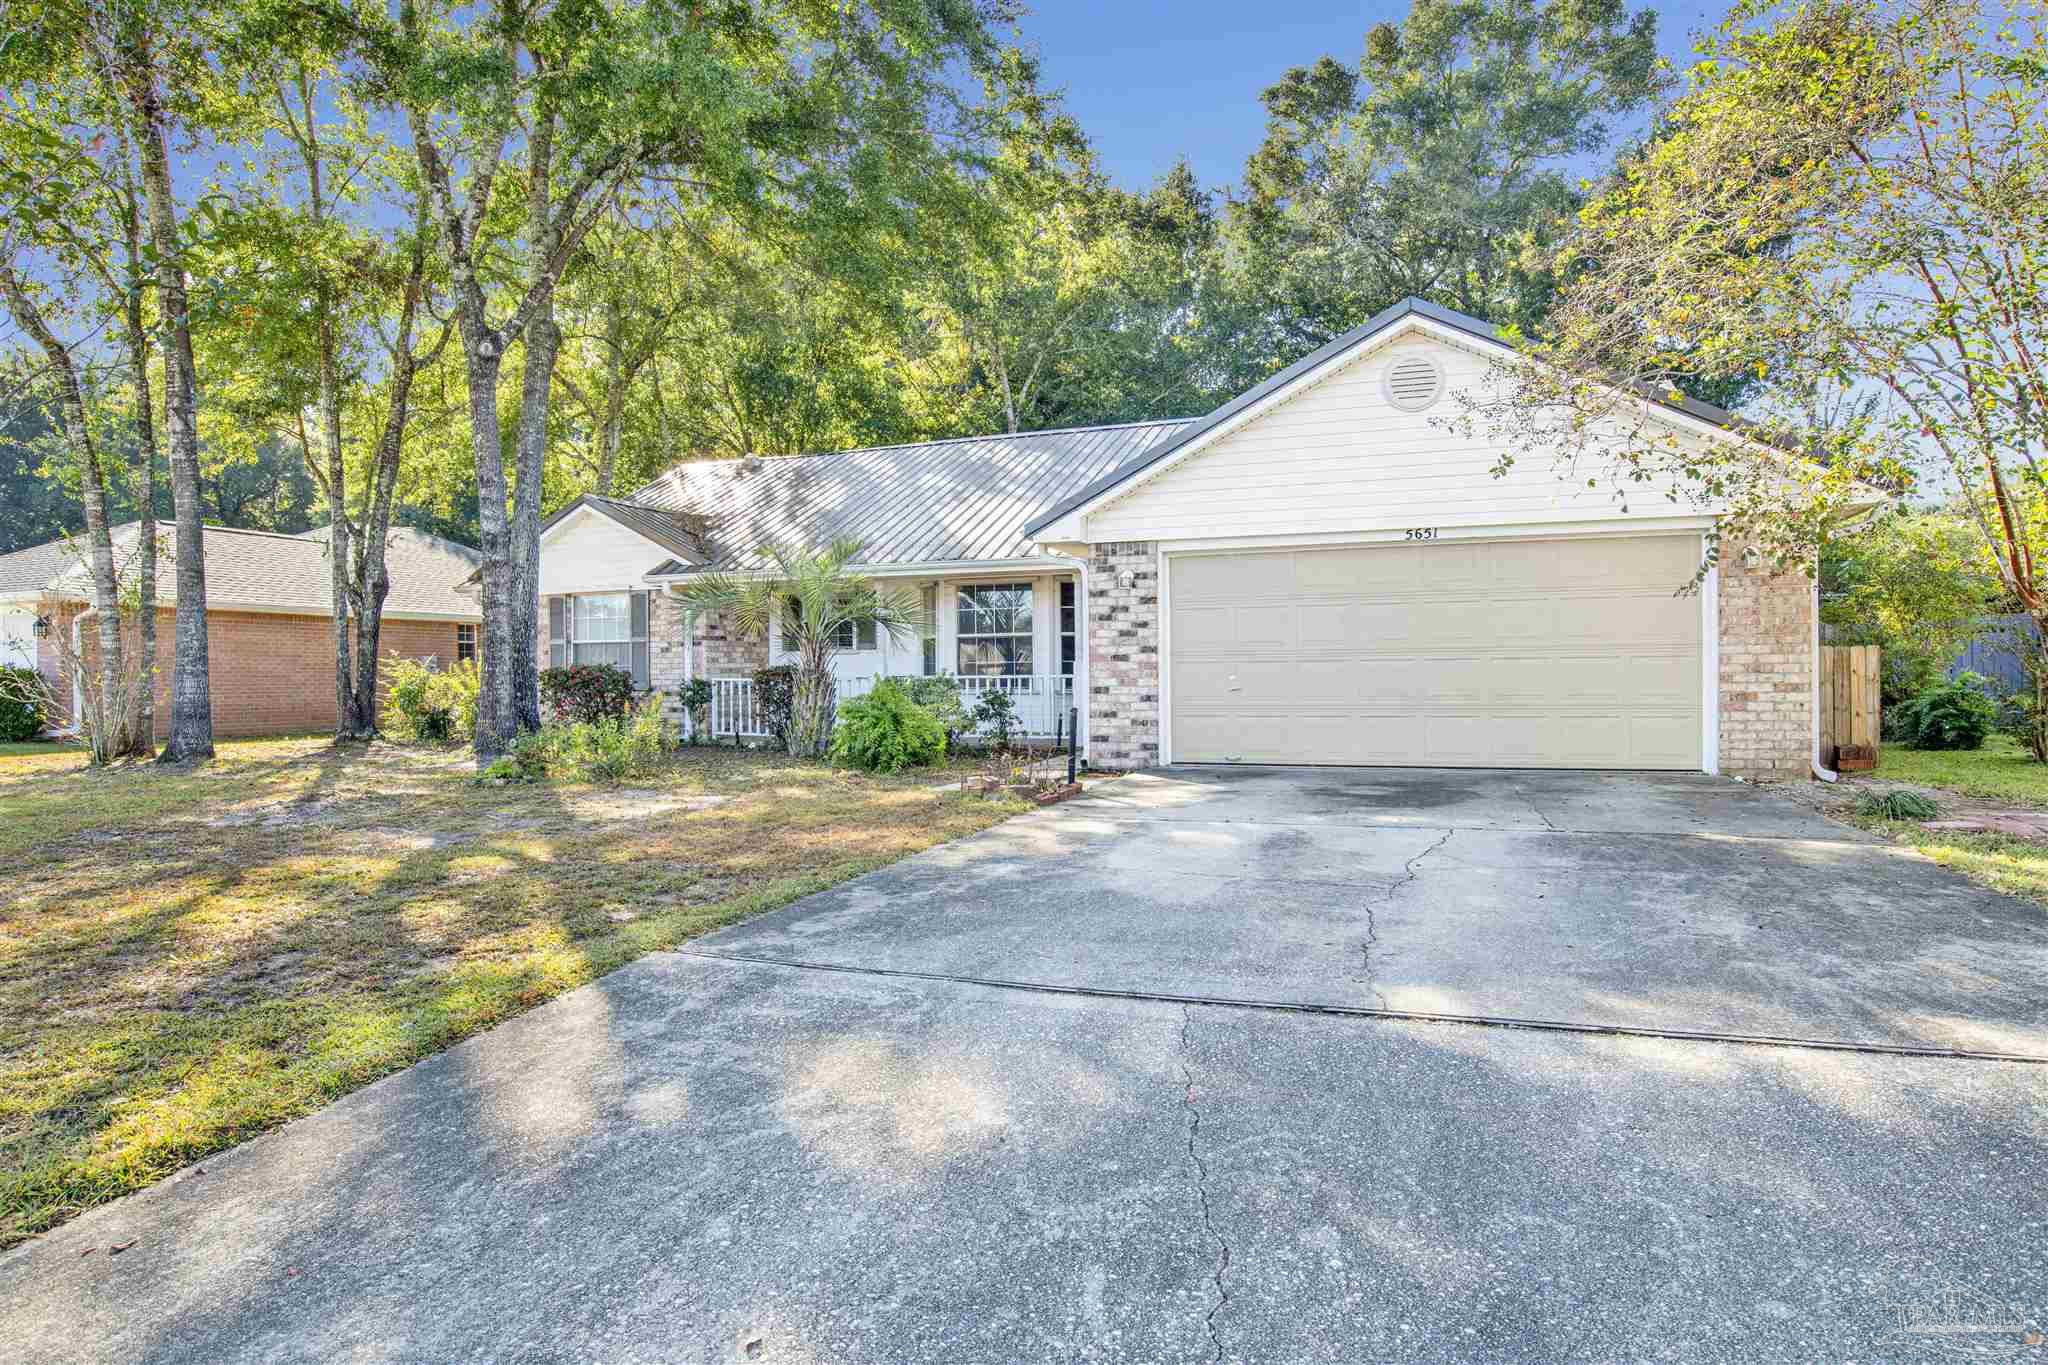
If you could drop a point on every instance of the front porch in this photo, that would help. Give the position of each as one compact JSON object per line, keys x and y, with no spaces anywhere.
{"x":1022,"y":632}
{"x":1046,"y":704}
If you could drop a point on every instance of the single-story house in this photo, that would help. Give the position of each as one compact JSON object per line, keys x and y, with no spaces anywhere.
{"x":270,"y":631}
{"x":1321,"y":571}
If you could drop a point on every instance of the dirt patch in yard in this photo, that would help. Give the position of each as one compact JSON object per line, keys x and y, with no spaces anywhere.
{"x":189,"y":958}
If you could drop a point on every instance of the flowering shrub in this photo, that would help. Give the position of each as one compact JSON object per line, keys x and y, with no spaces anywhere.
{"x":430,"y":707}
{"x":587,"y":692}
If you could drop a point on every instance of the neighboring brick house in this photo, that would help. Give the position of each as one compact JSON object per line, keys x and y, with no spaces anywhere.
{"x":1323,"y":570}
{"x":270,"y":635}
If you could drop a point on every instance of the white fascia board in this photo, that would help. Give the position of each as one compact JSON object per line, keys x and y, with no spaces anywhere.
{"x":933,"y":568}
{"x":1519,"y":530}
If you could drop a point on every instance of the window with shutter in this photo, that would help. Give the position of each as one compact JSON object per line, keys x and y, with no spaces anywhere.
{"x":608,"y":628}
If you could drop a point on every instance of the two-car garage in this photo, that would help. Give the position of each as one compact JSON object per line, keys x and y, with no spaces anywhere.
{"x":1561,"y":652}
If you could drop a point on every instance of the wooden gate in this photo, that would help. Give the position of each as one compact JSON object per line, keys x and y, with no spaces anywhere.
{"x":1849,"y":706}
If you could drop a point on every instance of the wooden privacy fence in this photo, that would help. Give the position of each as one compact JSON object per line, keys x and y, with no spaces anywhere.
{"x":1849,"y":706}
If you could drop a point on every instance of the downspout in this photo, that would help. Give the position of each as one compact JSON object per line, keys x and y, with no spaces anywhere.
{"x":1820,"y":770}
{"x":78,"y":670}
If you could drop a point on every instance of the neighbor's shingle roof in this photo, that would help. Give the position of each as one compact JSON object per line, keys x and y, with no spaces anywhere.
{"x":32,"y":569}
{"x":259,"y":569}
{"x":946,"y":501}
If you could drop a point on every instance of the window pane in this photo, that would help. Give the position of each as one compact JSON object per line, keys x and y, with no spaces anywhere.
{"x":618,"y":655}
{"x":602,"y":617}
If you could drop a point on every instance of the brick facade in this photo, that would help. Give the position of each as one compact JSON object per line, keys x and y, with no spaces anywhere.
{"x":1123,"y":654}
{"x":268,"y":673}
{"x":722,"y":652}
{"x":1766,"y":672}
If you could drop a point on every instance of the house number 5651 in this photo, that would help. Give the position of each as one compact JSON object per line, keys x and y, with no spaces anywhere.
{"x":1422,"y":533}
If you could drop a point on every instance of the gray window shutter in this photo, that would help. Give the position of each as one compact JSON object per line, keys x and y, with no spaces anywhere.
{"x":639,"y":634}
{"x":867,"y":635}
{"x":558,"y":632}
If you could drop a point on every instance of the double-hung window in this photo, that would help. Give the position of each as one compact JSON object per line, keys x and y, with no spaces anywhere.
{"x":600,"y":628}
{"x":994,"y":630}
{"x":465,"y":643}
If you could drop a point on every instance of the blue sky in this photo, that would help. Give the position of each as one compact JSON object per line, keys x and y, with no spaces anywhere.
{"x":1153,"y":79}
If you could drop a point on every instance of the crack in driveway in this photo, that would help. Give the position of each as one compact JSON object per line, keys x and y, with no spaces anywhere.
{"x":1372,"y":927}
{"x":1201,"y":1184}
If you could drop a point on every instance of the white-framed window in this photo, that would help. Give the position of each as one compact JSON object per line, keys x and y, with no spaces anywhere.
{"x":844,"y":638}
{"x":600,"y":628}
{"x":465,"y":643}
{"x":994,"y":630}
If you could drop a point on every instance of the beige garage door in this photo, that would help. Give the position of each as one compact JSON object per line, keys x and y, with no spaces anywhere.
{"x":1530,"y":654}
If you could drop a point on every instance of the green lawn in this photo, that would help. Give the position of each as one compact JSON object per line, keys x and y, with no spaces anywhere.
{"x":2001,"y":770}
{"x":190,"y":958}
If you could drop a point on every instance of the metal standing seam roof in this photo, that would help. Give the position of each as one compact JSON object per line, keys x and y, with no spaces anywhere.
{"x":958,"y":500}
{"x":262,"y":569}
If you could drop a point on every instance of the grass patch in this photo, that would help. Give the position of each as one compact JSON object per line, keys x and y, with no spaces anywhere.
{"x":2002,"y":862}
{"x":188,"y":958}
{"x":2000,"y":771}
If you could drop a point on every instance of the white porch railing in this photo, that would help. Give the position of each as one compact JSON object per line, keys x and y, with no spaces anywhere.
{"x":1042,"y":701}
{"x":733,"y":711}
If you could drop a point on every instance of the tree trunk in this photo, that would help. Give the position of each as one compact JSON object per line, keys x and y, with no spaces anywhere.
{"x":191,"y":734}
{"x":142,"y":730}
{"x":543,"y":342}
{"x":372,"y":576}
{"x":348,"y":723}
{"x":107,"y":734}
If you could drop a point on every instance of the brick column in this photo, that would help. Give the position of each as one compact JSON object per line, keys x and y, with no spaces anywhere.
{"x":1766,"y":672}
{"x":668,"y":651}
{"x":1123,"y":654}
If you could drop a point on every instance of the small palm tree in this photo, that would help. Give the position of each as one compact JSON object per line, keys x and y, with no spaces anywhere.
{"x":817,"y":599}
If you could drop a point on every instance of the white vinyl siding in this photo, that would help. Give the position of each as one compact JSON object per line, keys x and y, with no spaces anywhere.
{"x":1338,"y":457}
{"x":589,"y":552}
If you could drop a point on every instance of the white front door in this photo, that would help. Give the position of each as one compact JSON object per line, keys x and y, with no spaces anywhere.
{"x":17,"y":638}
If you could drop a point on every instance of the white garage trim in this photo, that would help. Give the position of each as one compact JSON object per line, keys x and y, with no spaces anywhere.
{"x":1709,"y":601}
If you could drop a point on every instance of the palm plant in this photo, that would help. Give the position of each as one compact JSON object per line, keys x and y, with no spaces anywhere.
{"x":817,"y":600}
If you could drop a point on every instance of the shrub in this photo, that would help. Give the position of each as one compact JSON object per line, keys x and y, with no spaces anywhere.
{"x":587,"y":692}
{"x":886,"y":732}
{"x":612,"y":749}
{"x":775,"y":700}
{"x":996,"y":713}
{"x":430,"y":707}
{"x":21,"y":705}
{"x":939,"y":694}
{"x":1956,"y":714}
{"x":2023,"y":717}
{"x":1898,"y":805}
{"x":695,"y":696}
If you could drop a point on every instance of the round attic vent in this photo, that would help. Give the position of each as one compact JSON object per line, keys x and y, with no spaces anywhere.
{"x":1412,"y":382}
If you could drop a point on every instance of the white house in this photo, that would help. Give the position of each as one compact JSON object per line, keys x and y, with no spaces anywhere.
{"x":1320,"y":571}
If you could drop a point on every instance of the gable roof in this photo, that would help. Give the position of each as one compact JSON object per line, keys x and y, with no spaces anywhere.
{"x":259,"y":570}
{"x":1379,"y":322}
{"x":960,"y":500}
{"x":680,"y":533}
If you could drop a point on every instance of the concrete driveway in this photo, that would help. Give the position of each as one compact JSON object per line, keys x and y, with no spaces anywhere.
{"x":824,"y":1136}
{"x":1674,"y":903}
